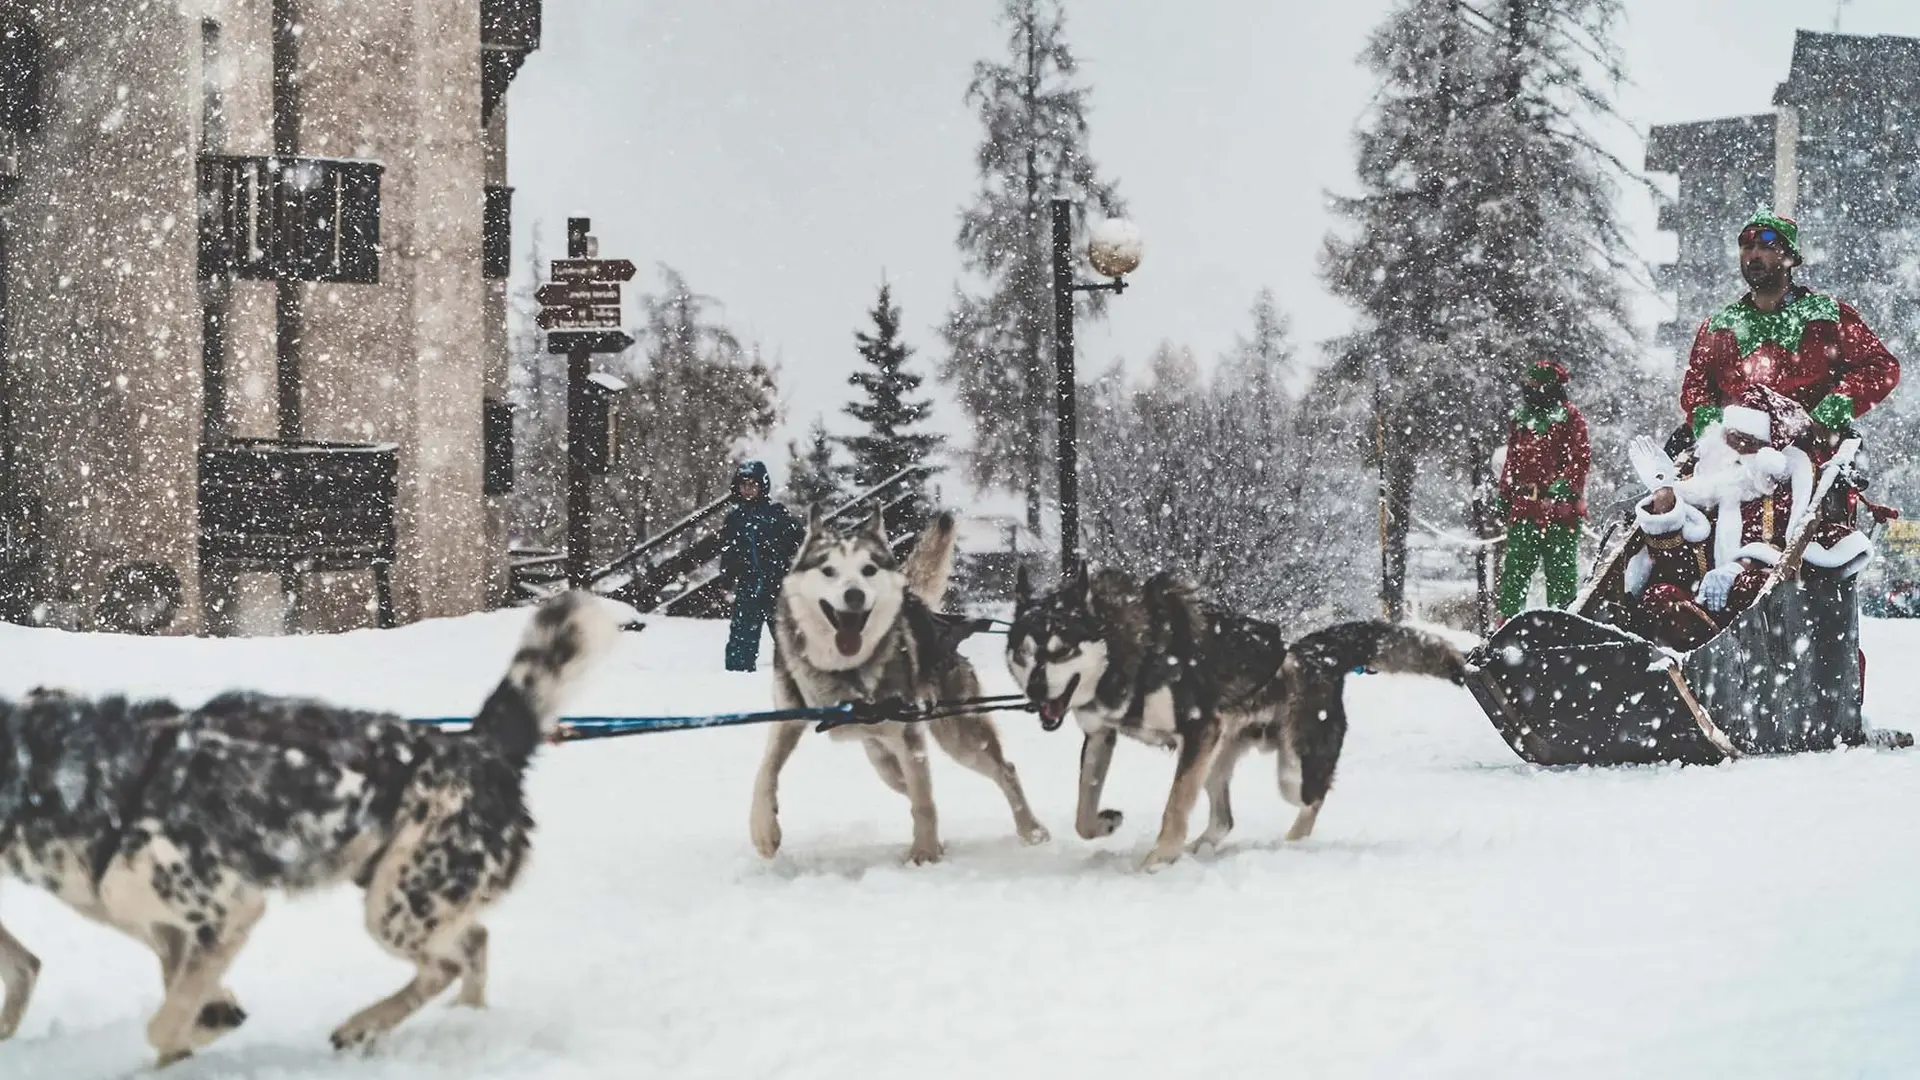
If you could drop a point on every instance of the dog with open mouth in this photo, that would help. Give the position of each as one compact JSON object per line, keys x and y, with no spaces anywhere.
{"x":1163,"y":666}
{"x":856,"y":625}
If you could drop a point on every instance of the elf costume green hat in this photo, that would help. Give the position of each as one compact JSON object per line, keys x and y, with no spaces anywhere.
{"x":1546,"y":373}
{"x":1785,"y":228}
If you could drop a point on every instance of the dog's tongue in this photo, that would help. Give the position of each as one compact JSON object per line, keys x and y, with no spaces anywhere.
{"x":848,"y":642}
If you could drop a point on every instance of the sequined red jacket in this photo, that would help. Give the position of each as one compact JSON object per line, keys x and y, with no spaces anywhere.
{"x":1535,"y":461}
{"x":1843,"y":357}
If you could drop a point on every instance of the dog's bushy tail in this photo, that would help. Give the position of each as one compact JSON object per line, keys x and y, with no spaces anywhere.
{"x":1376,"y":645}
{"x":929,"y":566}
{"x":566,"y":635}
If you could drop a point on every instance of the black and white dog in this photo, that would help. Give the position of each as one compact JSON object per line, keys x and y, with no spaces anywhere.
{"x":1161,"y":665}
{"x":173,"y":825}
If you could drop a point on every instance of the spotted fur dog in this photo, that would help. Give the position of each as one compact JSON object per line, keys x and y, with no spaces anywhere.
{"x":174,"y":825}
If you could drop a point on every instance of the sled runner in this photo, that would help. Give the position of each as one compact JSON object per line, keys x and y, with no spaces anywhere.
{"x":1573,"y":688}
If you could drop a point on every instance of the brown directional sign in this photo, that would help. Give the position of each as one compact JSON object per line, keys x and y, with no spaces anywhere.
{"x":592,"y":341}
{"x":579,"y":318}
{"x":587,"y":270}
{"x":577,"y":295}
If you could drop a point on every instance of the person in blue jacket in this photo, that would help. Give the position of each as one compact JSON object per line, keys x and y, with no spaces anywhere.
{"x":757,"y":544}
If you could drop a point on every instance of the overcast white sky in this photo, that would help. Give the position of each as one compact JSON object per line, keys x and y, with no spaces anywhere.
{"x":785,"y":155}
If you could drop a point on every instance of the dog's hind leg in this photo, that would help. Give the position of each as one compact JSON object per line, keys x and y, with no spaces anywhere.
{"x":972,"y":741}
{"x":1196,"y":753}
{"x":765,"y":824}
{"x":1316,"y":750}
{"x":1096,"y":755}
{"x":19,"y":969}
{"x":1219,"y":798}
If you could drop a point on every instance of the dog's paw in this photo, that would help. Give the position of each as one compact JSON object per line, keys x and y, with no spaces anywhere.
{"x":1209,"y":843}
{"x":1160,"y":857}
{"x":171,"y":1057}
{"x":766,"y":833}
{"x":925,"y":854}
{"x":353,"y":1035}
{"x":1035,"y":834}
{"x":1104,"y":824}
{"x":221,"y":1016}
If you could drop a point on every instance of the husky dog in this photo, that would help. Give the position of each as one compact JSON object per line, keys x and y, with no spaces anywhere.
{"x":1162,"y":666}
{"x":854,"y":625}
{"x":174,"y":825}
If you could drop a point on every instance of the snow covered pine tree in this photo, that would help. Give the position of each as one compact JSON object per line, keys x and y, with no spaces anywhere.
{"x":889,"y":414}
{"x":1035,"y":148}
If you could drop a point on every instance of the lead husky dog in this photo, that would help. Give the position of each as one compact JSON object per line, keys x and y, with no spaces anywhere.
{"x":1162,"y":666}
{"x":855,"y":626}
{"x":173,"y":826}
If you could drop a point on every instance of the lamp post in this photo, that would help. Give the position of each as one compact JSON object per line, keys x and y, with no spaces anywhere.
{"x":1114,"y":251}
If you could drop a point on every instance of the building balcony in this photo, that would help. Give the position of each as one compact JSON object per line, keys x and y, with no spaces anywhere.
{"x":300,"y":219}
{"x":509,"y":31}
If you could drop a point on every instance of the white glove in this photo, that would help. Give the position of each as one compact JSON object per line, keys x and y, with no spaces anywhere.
{"x":1715,"y":586}
{"x":1651,"y":464}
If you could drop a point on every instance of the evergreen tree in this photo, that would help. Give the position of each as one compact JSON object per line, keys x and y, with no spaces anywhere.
{"x":1227,"y":481}
{"x":887,"y":410}
{"x":696,"y":396}
{"x":1486,"y":238}
{"x":1034,"y":118}
{"x":813,"y":476}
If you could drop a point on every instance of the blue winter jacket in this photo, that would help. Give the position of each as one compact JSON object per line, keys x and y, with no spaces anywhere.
{"x":757,"y":545}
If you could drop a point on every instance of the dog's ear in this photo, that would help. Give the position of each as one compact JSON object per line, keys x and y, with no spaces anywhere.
{"x":1081,"y":584}
{"x":876,"y":525}
{"x":1022,"y":590}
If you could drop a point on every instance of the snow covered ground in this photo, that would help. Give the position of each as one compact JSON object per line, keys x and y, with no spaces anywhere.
{"x":1456,"y":913}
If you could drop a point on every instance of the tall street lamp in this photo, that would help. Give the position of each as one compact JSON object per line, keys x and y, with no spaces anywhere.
{"x":1114,"y":251}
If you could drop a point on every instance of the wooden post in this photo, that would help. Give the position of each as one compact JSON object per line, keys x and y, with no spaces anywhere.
{"x":579,"y":495}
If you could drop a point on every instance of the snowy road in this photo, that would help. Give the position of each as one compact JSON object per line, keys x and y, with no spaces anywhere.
{"x":1456,"y":913}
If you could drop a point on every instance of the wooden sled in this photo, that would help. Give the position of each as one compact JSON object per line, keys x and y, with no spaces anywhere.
{"x":1574,"y":688}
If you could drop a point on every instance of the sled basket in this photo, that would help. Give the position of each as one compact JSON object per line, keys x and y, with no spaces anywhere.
{"x":1783,"y":678}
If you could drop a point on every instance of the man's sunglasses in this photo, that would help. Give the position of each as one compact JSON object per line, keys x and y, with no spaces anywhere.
{"x":1768,"y":237}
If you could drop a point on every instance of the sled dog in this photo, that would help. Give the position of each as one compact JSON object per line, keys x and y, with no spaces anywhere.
{"x":173,"y":825}
{"x":854,"y":625}
{"x":1159,"y":664}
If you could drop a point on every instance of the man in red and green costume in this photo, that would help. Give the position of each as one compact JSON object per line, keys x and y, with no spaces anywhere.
{"x":1803,"y":344}
{"x":1543,"y":490}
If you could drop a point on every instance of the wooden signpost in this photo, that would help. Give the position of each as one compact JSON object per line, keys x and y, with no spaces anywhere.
{"x":580,"y":310}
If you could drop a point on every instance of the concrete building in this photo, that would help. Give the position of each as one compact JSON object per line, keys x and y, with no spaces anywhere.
{"x":232,"y":229}
{"x":1837,"y":152}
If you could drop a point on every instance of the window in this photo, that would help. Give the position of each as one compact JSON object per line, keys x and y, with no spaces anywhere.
{"x":498,"y":435}
{"x":496,"y":258}
{"x":305,"y":219}
{"x":22,"y":107}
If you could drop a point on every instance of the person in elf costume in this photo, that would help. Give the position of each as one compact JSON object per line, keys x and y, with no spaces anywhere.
{"x":1543,"y":490}
{"x":1800,"y":343}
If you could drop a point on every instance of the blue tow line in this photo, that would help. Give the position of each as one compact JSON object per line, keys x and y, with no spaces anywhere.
{"x":576,"y":728}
